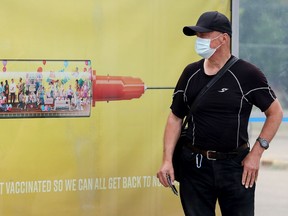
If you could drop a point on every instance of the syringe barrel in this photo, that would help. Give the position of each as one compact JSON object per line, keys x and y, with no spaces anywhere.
{"x":45,"y":88}
{"x":59,"y":88}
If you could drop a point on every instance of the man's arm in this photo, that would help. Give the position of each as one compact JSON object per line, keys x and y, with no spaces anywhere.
{"x":251,"y":163}
{"x":171,"y":135}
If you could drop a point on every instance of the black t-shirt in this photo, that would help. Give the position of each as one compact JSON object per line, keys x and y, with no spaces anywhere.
{"x":221,"y":118}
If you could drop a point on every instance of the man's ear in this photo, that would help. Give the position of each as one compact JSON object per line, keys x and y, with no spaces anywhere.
{"x":225,"y":37}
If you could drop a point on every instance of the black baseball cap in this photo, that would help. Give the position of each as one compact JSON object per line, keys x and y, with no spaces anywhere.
{"x":208,"y":22}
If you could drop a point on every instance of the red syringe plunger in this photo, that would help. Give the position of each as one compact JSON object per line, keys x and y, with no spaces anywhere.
{"x":110,"y":88}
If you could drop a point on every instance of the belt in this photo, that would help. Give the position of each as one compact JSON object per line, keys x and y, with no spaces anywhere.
{"x":214,"y":155}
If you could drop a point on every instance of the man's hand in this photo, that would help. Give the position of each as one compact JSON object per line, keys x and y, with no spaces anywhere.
{"x":166,"y":169}
{"x":251,"y":164}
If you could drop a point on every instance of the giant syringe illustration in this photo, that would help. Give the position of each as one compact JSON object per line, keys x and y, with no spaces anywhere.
{"x":59,"y":88}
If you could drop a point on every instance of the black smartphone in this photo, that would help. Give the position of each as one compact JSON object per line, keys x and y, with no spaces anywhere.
{"x":171,"y":185}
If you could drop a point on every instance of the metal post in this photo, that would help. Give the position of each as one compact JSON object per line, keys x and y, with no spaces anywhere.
{"x":235,"y":27}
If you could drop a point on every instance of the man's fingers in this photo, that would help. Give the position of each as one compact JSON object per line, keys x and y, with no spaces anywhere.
{"x":244,"y":176}
{"x":249,"y":178}
{"x":162,"y":178}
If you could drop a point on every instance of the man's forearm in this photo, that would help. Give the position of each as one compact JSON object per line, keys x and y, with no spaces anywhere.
{"x":274,"y":117}
{"x":171,"y":135}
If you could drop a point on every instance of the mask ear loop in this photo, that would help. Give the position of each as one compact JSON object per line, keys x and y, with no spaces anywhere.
{"x":218,"y":46}
{"x":215,"y":39}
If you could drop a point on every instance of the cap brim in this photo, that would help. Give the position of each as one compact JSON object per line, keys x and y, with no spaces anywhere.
{"x":192,"y":30}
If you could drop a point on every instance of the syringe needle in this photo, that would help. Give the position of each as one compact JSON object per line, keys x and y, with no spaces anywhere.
{"x":159,"y":88}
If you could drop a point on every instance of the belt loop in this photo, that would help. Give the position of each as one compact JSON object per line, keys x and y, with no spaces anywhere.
{"x":198,"y":165}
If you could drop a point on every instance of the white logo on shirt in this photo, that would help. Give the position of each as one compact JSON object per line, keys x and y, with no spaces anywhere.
{"x":223,"y":90}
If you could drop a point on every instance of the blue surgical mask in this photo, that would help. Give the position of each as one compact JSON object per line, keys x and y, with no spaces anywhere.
{"x":202,"y":47}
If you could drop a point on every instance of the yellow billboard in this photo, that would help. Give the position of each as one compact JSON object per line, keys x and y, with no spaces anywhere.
{"x":105,"y":163}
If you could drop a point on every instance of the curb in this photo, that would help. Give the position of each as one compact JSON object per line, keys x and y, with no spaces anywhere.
{"x":274,"y":164}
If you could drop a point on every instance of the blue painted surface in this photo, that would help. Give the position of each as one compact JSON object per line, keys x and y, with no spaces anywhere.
{"x":262,"y":119}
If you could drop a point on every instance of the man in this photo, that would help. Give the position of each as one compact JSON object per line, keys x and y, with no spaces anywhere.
{"x":1,"y":87}
{"x":12,"y":91}
{"x":218,"y":126}
{"x":20,"y":87}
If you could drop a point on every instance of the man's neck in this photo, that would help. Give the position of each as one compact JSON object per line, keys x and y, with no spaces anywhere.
{"x":215,"y":63}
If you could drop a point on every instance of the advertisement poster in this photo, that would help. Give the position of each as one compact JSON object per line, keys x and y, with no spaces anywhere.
{"x":103,"y":158}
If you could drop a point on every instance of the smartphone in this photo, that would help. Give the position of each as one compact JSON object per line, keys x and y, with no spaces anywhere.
{"x":171,"y":185}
